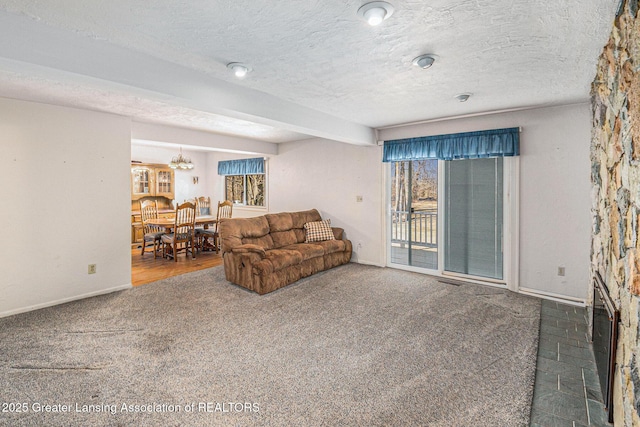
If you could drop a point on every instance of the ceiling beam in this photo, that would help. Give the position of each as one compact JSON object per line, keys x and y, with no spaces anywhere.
{"x":34,"y":47}
{"x":197,"y":138}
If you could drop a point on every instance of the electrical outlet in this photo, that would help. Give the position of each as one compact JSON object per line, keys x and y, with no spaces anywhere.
{"x":92,"y":269}
{"x":560,"y":271}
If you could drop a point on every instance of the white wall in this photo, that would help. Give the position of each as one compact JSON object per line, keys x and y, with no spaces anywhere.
{"x":328,"y":175}
{"x":555,"y":219}
{"x":185,"y":187}
{"x":65,"y":187}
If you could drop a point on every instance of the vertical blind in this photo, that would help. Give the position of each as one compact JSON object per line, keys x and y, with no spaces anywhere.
{"x":467,"y":145}
{"x":241,"y":166}
{"x":473,"y":223}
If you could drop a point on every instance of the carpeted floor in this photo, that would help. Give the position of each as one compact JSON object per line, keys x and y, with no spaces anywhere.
{"x":356,"y":345}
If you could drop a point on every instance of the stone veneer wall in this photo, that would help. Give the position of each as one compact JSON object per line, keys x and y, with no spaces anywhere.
{"x":615,"y":161}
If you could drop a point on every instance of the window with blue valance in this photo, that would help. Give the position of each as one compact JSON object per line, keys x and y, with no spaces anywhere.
{"x":467,"y":145}
{"x":241,"y":167}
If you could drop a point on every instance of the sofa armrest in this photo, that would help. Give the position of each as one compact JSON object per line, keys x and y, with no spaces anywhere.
{"x":337,"y":232}
{"x":248,"y":248}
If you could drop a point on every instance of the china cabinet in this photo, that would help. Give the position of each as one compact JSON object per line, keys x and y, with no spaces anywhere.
{"x":150,"y":182}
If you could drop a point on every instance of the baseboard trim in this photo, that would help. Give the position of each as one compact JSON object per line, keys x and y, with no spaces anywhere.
{"x":554,"y":297}
{"x":363,"y":262}
{"x":65,"y":300}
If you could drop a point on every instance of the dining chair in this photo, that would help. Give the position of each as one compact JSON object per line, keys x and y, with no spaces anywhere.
{"x":204,"y":206}
{"x":225,"y":210}
{"x":183,"y":235}
{"x":152,"y":234}
{"x":194,"y":201}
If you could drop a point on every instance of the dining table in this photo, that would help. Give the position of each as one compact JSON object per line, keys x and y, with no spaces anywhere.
{"x":168,"y":223}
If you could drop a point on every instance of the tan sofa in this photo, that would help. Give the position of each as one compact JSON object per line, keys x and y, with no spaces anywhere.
{"x":269,"y":252}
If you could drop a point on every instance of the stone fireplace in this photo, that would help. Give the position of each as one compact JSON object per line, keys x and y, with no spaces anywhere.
{"x":615,"y":176}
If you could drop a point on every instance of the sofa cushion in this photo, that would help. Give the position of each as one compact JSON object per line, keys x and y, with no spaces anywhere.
{"x":283,"y":238}
{"x":307,"y":250}
{"x":300,"y":235}
{"x":332,"y":246}
{"x":280,"y":226}
{"x":277,"y":259}
{"x":237,"y":231}
{"x":279,"y":221}
{"x":318,"y":231}
{"x":266,"y":242}
{"x":299,"y":219}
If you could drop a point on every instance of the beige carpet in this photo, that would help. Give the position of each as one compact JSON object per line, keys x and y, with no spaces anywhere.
{"x":353,"y":346}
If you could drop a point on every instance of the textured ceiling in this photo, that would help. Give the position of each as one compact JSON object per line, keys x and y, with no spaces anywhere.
{"x":62,"y":91}
{"x":315,"y":57}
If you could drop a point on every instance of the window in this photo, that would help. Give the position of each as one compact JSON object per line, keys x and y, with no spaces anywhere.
{"x":244,"y":181}
{"x":245,"y":190}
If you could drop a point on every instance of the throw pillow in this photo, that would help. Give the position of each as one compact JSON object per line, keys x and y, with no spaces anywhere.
{"x":318,"y":231}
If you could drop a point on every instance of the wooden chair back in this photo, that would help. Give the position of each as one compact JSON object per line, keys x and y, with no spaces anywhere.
{"x":185,"y":222}
{"x":183,"y":231}
{"x":149,"y":210}
{"x":203,"y":206}
{"x":225,"y":210}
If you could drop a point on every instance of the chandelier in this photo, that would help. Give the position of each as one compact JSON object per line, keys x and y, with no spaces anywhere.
{"x":181,"y":162}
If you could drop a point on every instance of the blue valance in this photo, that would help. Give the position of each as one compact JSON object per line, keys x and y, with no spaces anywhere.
{"x":241,"y":167}
{"x":467,"y":145}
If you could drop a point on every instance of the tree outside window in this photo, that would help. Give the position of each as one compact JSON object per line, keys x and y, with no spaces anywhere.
{"x":246,"y":190}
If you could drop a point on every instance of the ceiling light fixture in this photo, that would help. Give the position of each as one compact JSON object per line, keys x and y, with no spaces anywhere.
{"x":181,"y":162}
{"x":463,"y":97}
{"x":375,"y":12}
{"x":424,"y":61}
{"x":239,"y":69}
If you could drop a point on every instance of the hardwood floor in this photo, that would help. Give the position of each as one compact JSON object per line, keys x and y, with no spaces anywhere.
{"x":145,"y":269}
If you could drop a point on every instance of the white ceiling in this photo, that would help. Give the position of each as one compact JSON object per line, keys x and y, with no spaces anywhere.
{"x":318,"y":70}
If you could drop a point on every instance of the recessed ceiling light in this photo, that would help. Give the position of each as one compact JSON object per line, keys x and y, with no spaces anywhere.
{"x":424,"y":61}
{"x":239,"y":69}
{"x":375,"y":12}
{"x":463,"y":97}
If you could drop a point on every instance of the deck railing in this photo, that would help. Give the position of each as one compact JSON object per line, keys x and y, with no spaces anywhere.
{"x":424,"y":227}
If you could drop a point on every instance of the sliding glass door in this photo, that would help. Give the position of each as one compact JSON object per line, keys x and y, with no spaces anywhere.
{"x":414,"y":213}
{"x":448,"y":216}
{"x":473,"y":219}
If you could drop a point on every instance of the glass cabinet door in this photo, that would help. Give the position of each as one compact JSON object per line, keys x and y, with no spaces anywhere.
{"x":164,"y":183}
{"x":142,"y":181}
